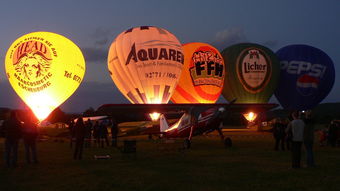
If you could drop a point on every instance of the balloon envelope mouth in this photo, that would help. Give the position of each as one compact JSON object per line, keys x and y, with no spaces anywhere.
{"x":41,"y":104}
{"x":251,"y":116}
{"x":154,"y":116}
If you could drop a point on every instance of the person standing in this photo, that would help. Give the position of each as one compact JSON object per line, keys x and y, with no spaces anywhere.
{"x":13,"y":132}
{"x":88,"y":133}
{"x":79,"y":130}
{"x":71,"y":130}
{"x":114,"y":132}
{"x":279,"y":134}
{"x":30,"y":134}
{"x":308,"y":139}
{"x":103,"y":134}
{"x":96,"y":134}
{"x":297,"y":127}
{"x":332,"y":133}
{"x":288,"y":134}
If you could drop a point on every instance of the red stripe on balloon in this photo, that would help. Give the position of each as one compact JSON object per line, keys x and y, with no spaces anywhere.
{"x":204,"y":95}
{"x":186,"y":95}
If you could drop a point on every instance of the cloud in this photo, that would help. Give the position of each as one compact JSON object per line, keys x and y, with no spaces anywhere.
{"x":102,"y":36}
{"x":229,"y":37}
{"x":101,"y":39}
{"x":95,"y":54}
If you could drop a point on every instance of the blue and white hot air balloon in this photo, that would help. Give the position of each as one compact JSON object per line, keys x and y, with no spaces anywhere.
{"x":307,"y":76}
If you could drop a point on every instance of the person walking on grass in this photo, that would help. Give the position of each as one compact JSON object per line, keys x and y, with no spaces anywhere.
{"x":297,"y":127}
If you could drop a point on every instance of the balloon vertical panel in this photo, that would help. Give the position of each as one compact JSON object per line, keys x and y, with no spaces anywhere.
{"x":44,"y":69}
{"x":145,"y":63}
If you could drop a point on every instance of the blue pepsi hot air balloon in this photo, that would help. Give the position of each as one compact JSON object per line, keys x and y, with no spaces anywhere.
{"x":306,"y":77}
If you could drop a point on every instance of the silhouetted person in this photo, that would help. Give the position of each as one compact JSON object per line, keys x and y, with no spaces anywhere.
{"x":308,"y":139}
{"x":297,"y":128}
{"x":332,"y":133}
{"x":88,"y":133}
{"x":114,"y":132}
{"x":96,"y":133}
{"x":288,"y":134}
{"x":103,"y":134}
{"x":13,"y":132}
{"x":71,"y":131}
{"x":279,"y":134}
{"x":30,"y":135}
{"x":79,"y":130}
{"x":323,"y":137}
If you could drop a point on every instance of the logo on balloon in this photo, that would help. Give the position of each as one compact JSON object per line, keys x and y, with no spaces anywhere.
{"x":206,"y":68}
{"x":154,"y":53}
{"x":254,"y":69}
{"x":309,"y":75}
{"x":32,"y":61}
{"x":307,"y":85}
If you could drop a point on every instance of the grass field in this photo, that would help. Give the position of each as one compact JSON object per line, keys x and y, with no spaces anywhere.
{"x":251,"y":164}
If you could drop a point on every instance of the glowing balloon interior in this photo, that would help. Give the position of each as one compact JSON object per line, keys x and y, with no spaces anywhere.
{"x":202,"y":77}
{"x":250,"y":116}
{"x":44,"y":69}
{"x":145,"y":63}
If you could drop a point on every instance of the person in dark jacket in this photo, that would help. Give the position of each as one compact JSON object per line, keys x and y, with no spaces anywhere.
{"x":30,"y":135}
{"x":13,"y":131}
{"x":332,"y":133}
{"x":103,"y":134}
{"x":71,"y":130}
{"x":308,"y":139}
{"x":96,"y":134}
{"x":114,"y":132}
{"x":279,"y":134}
{"x":88,"y":133}
{"x":79,"y":130}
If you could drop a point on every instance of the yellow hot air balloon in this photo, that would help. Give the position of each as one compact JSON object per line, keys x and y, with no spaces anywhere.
{"x":145,"y":63}
{"x":44,"y":69}
{"x":202,"y":76}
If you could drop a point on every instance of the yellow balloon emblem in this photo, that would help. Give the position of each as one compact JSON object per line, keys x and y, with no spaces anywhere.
{"x":44,"y":69}
{"x":202,"y":77}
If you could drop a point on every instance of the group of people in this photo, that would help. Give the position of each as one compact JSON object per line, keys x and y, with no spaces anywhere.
{"x":82,"y":132}
{"x":331,"y":134}
{"x":13,"y":130}
{"x":297,"y":133}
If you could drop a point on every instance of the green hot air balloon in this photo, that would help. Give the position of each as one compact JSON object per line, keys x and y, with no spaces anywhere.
{"x":251,"y":73}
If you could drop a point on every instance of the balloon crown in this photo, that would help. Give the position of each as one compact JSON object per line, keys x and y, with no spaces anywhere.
{"x":254,"y":54}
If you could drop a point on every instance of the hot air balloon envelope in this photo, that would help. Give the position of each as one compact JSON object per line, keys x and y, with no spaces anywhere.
{"x":252,"y":73}
{"x":44,"y":69}
{"x":307,"y":76}
{"x":145,"y":63}
{"x":202,"y":77}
